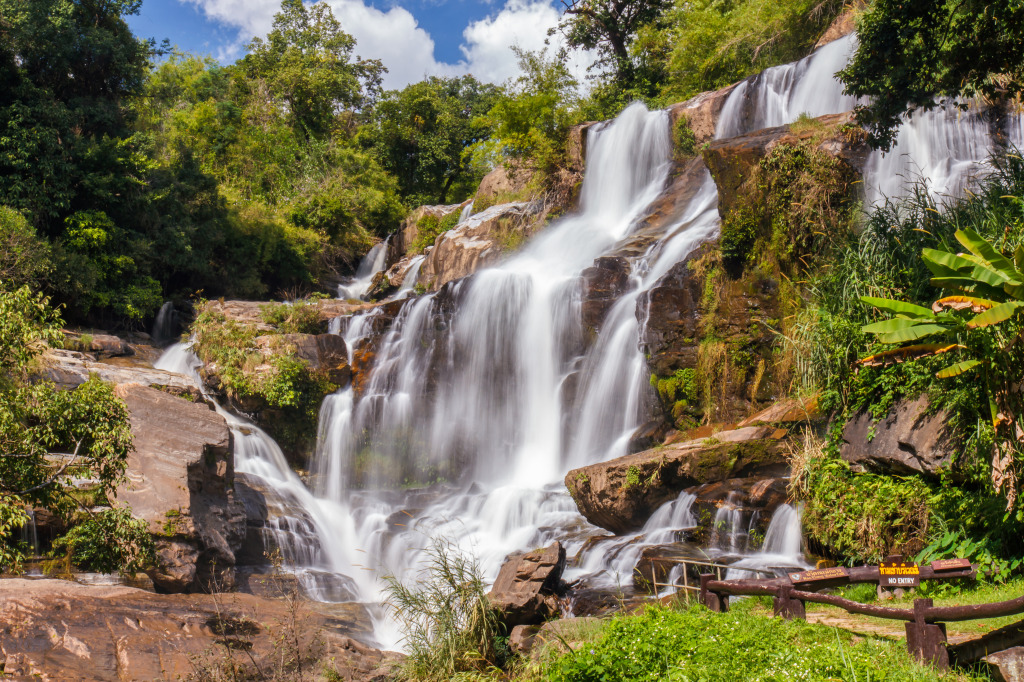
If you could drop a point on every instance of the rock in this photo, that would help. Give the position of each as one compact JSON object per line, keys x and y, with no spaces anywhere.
{"x":100,"y":345}
{"x":69,"y":369}
{"x":556,"y":635}
{"x":525,"y":589}
{"x":1007,"y":665}
{"x":522,"y":637}
{"x":60,"y":631}
{"x":326,"y":352}
{"x":401,"y":241}
{"x":251,"y":312}
{"x":603,"y":284}
{"x":789,"y":411}
{"x":701,"y":112}
{"x":731,"y":160}
{"x":843,"y":25}
{"x":180,"y":479}
{"x":477,"y":242}
{"x":657,"y":561}
{"x":907,"y":441}
{"x":503,"y":184}
{"x":620,"y":495}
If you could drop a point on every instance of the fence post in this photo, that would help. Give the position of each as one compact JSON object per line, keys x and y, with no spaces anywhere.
{"x":927,"y":641}
{"x":786,"y":606}
{"x":718,"y":603}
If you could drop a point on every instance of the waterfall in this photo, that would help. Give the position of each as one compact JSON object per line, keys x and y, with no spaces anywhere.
{"x":412,"y":275}
{"x":166,"y":326}
{"x":372,"y":263}
{"x":782,"y":548}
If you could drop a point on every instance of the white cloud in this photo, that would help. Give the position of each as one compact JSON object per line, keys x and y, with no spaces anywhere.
{"x":406,"y":49}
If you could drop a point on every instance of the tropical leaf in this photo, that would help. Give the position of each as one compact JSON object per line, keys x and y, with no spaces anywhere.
{"x":912,"y":333}
{"x":891,"y":325}
{"x":1000,"y":313}
{"x":899,"y":308}
{"x":968,"y":286}
{"x":977,"y":245}
{"x":921,"y":350}
{"x":957,"y":369}
{"x":971,"y":303}
{"x":1018,"y":259}
{"x":946,"y":260}
{"x":1015,"y":290}
{"x":989,"y":276}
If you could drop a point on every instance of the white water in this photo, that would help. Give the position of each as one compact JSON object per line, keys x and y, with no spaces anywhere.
{"x":372,"y":263}
{"x":412,"y":275}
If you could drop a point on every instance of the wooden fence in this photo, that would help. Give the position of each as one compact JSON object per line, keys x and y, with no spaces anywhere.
{"x":925,"y":623}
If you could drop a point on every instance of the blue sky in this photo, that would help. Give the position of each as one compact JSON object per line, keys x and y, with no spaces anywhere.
{"x":414,"y":38}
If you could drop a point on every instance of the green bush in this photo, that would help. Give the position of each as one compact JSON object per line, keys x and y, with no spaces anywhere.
{"x":300,"y":317}
{"x":110,"y":541}
{"x":430,"y":227}
{"x":660,"y":644}
{"x":24,"y":256}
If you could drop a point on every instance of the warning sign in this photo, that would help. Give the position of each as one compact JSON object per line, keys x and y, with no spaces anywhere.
{"x":819,"y":574}
{"x":899,"y":574}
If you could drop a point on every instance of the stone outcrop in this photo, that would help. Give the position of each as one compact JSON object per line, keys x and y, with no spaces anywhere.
{"x":477,"y":242}
{"x":60,"y":631}
{"x":731,"y":160}
{"x":402,"y":239}
{"x":701,"y":113}
{"x":251,"y":312}
{"x":912,"y":439}
{"x":68,"y":369}
{"x":525,"y":591}
{"x":621,"y":494}
{"x":181,"y":482}
{"x":501,"y":185}
{"x":99,"y":345}
{"x":324,"y":352}
{"x":603,"y":284}
{"x":843,"y":25}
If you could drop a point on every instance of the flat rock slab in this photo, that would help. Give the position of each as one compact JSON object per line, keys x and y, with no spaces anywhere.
{"x":621,"y":494}
{"x":69,"y":369}
{"x":59,"y":631}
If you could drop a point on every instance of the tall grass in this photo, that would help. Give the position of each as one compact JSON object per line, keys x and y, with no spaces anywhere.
{"x":448,"y":624}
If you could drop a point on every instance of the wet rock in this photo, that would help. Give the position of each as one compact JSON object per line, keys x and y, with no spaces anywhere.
{"x":910,"y":440}
{"x":660,"y":565}
{"x":55,"y":630}
{"x":731,"y":160}
{"x":68,"y":369}
{"x":603,"y":284}
{"x":621,"y":494}
{"x":755,"y":499}
{"x":701,"y":112}
{"x":1007,"y":665}
{"x":180,"y":479}
{"x":525,"y":589}
{"x":672,"y":311}
{"x":477,"y":242}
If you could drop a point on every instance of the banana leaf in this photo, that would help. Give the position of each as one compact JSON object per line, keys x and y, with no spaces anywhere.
{"x":899,"y":308}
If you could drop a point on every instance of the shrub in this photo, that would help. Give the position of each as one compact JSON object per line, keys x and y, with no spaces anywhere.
{"x":300,"y":317}
{"x":112,"y":540}
{"x":430,"y":227}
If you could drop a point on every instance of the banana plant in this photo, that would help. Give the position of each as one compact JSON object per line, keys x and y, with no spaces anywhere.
{"x":976,"y":323}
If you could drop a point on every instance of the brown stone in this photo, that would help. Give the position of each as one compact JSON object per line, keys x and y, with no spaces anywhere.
{"x":789,"y":411}
{"x":620,"y":495}
{"x":502,"y":184}
{"x":843,"y":25}
{"x":401,"y":241}
{"x":326,"y":352}
{"x":60,"y":631}
{"x":522,"y":637}
{"x":1007,"y":665}
{"x":524,"y":591}
{"x":476,"y":243}
{"x":251,"y":312}
{"x":180,"y":479}
{"x":701,"y":112}
{"x":603,"y":284}
{"x":68,"y":369}
{"x":908,"y":441}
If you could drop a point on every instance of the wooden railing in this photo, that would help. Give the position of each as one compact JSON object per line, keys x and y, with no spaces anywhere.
{"x":925,"y":622}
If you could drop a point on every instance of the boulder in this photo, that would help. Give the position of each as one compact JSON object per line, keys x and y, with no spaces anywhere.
{"x":68,"y":369}
{"x":180,"y":479}
{"x":789,"y":411}
{"x":844,"y":24}
{"x":910,"y":440}
{"x":1007,"y":665}
{"x":621,"y":494}
{"x":99,"y":345}
{"x":522,"y":637}
{"x":504,"y":183}
{"x":477,"y":242}
{"x":525,"y":589}
{"x":701,"y":112}
{"x":326,"y":352}
{"x":603,"y":284}
{"x":251,"y":312}
{"x":401,"y":241}
{"x":55,"y":630}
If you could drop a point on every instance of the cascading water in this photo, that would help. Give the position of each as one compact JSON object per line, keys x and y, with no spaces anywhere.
{"x":372,"y":263}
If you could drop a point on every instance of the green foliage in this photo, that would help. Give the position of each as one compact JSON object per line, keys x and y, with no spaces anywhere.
{"x":430,"y":227}
{"x":661,"y":644}
{"x":300,"y":317}
{"x":112,"y":540}
{"x":448,"y":624}
{"x":24,"y":257}
{"x":914,"y":55}
{"x":679,"y":394}
{"x":48,"y":435}
{"x":421,"y":134}
{"x":306,"y":63}
{"x":684,"y":142}
{"x":713,"y":44}
{"x":863,"y":517}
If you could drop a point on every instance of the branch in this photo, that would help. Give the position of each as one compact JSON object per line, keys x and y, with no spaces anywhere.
{"x":53,"y":479}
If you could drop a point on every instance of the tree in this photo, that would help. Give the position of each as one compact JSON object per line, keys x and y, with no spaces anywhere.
{"x":918,"y":55}
{"x":421,"y":134}
{"x":978,"y":323}
{"x":48,"y":436}
{"x":610,"y":27}
{"x":306,"y":60}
